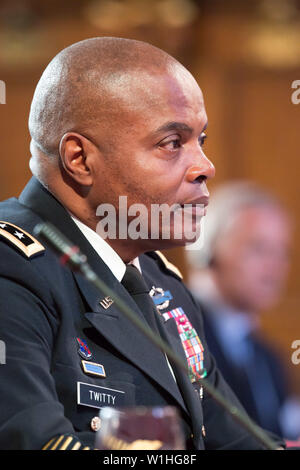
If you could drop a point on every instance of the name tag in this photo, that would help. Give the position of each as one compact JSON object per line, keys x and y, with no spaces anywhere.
{"x":99,"y":397}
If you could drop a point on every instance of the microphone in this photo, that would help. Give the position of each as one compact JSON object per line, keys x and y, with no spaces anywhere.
{"x":70,"y":255}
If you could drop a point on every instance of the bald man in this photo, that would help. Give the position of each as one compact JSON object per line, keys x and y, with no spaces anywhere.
{"x":110,"y":117}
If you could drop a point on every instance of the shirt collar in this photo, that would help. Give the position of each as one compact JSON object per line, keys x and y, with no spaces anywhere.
{"x":105,"y":251}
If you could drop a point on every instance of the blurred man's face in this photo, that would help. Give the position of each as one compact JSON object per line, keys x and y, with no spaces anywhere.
{"x":252,"y":258}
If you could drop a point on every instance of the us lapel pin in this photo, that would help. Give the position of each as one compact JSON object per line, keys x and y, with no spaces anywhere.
{"x":106,"y":302}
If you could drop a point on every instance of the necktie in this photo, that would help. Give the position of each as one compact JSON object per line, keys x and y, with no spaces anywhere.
{"x":136,"y":286}
{"x":134,"y":283}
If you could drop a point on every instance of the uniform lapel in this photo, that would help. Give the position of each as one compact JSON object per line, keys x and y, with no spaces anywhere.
{"x":124,"y":336}
{"x":128,"y":340}
{"x":110,"y":323}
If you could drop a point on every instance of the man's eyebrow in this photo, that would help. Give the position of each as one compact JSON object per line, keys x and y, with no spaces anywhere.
{"x":176,"y":126}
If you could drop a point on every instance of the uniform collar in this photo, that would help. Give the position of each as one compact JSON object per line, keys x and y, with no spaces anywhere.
{"x":36,"y":197}
{"x":105,"y":251}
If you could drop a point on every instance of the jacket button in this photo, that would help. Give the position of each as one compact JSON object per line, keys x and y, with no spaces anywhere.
{"x":203,"y":431}
{"x":95,"y":423}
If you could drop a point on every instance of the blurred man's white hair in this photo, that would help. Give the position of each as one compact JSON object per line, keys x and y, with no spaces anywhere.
{"x":225,"y":204}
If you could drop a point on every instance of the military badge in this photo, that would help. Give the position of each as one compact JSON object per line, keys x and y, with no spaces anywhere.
{"x":92,"y":368}
{"x":19,"y":239}
{"x":106,"y":302}
{"x":83,"y":349}
{"x":160,"y":297}
{"x":190,"y":340}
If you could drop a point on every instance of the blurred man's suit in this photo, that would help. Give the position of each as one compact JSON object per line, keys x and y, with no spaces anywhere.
{"x":257,"y":378}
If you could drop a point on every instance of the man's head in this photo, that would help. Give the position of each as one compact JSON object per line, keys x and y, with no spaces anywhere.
{"x":114,"y":117}
{"x":247,"y":235}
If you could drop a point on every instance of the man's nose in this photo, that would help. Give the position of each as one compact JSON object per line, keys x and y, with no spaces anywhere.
{"x":204,"y":168}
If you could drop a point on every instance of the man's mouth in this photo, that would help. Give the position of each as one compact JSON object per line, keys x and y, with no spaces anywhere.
{"x":194,"y":210}
{"x":195,"y":207}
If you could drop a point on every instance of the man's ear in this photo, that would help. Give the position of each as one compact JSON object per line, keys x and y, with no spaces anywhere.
{"x":77,"y":154}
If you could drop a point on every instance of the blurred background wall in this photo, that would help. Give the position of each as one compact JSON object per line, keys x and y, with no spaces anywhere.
{"x":245,"y":56}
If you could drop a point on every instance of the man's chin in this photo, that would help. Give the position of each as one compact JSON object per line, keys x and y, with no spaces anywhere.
{"x":172,"y":242}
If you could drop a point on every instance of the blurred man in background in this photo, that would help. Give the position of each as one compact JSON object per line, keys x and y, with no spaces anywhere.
{"x":238,"y":273}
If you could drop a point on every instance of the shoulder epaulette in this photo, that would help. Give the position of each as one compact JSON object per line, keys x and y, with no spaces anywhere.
{"x":19,"y":239}
{"x":170,"y":266}
{"x":65,"y":442}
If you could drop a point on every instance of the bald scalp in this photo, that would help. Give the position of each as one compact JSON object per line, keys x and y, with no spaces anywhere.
{"x":82,"y":87}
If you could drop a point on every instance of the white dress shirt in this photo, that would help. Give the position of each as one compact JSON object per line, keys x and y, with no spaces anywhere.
{"x":105,"y":251}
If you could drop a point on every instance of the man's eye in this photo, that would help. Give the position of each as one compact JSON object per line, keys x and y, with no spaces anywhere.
{"x":171,"y":144}
{"x":202,"y":139}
